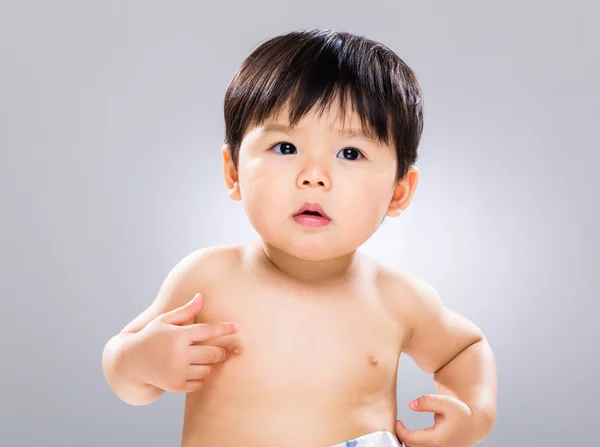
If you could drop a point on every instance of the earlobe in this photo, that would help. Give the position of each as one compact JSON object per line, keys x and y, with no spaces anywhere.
{"x":230,"y":175}
{"x":394,"y":210}
{"x":403,"y":192}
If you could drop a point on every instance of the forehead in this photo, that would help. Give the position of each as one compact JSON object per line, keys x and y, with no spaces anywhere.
{"x":332,"y":116}
{"x":346,"y":123}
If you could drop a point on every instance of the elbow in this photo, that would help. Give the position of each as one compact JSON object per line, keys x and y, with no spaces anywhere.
{"x":486,"y":419}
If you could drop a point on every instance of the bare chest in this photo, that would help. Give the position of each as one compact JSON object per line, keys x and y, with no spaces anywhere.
{"x":304,"y":345}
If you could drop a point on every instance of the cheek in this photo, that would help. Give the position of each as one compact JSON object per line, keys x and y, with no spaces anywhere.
{"x":262,"y":190}
{"x":366,"y":211}
{"x":369,"y":199}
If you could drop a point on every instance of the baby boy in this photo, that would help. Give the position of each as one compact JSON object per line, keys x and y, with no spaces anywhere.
{"x":293,"y":339}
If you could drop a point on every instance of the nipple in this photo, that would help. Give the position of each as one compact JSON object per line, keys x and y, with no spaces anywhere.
{"x":373,"y":360}
{"x":237,"y":350}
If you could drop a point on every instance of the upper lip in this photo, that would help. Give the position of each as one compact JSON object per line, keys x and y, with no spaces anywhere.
{"x":314,"y":207}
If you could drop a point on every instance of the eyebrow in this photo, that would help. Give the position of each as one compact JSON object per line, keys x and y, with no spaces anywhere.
{"x":346,"y":133}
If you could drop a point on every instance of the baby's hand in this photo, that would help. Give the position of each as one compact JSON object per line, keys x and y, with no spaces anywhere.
{"x":453,"y":423}
{"x":163,"y":354}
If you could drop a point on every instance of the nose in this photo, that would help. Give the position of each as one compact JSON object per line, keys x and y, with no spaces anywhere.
{"x":314,"y":174}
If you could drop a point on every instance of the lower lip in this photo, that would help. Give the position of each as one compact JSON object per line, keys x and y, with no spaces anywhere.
{"x":311,"y":221}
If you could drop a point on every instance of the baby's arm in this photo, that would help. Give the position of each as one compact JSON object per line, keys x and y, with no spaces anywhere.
{"x":455,"y":350}
{"x":180,"y":285}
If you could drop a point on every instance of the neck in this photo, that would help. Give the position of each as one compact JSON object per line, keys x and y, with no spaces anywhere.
{"x":327,"y":271}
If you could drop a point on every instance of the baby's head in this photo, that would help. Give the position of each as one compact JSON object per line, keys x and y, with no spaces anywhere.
{"x":327,"y":118}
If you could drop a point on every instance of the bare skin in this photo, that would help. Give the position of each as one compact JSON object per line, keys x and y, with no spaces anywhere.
{"x":320,"y":327}
{"x":306,"y":366}
{"x":313,"y":361}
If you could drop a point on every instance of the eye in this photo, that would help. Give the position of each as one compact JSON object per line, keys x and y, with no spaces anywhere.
{"x":350,"y":153}
{"x":284,"y":148}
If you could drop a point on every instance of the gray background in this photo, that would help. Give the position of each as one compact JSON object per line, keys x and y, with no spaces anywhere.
{"x":111,"y":124}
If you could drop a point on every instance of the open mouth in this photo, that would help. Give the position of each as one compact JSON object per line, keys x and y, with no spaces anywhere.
{"x":311,"y":215}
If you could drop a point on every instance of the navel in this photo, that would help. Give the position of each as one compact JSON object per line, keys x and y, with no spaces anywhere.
{"x":373,"y":360}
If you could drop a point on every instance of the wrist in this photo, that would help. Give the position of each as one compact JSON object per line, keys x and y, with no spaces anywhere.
{"x":120,"y":372}
{"x":126,"y":359}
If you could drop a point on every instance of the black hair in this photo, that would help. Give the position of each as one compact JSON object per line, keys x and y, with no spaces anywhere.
{"x":304,"y":69}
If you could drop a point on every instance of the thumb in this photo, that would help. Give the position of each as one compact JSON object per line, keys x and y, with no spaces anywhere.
{"x":401,"y":431}
{"x":421,"y":437}
{"x":185,"y":313}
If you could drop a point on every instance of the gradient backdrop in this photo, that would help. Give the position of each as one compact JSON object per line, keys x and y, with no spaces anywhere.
{"x":111,"y":124}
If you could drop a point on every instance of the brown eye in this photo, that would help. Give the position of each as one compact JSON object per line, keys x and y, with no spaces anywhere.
{"x":350,"y":153}
{"x":284,"y":148}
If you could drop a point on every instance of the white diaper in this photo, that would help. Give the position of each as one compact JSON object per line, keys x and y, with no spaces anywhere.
{"x":375,"y":439}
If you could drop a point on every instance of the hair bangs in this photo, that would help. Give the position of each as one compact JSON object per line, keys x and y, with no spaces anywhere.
{"x":325,"y":71}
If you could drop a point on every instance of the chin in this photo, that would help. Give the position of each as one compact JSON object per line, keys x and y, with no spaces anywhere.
{"x":312,"y":247}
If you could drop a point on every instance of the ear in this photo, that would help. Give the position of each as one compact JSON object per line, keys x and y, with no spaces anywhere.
{"x":230,"y":174}
{"x":403,"y":192}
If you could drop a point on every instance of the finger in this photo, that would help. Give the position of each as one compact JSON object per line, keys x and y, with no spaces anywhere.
{"x":198,"y":372}
{"x":417,"y":438}
{"x":185,"y":313}
{"x":204,"y":331}
{"x":435,"y":403}
{"x":203,"y":355}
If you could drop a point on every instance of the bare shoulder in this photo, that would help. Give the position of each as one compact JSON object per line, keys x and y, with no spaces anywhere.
{"x":411,"y":296}
{"x":436,"y":333}
{"x":208,"y":264}
{"x":403,"y":291}
{"x":198,"y":271}
{"x":203,"y":270}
